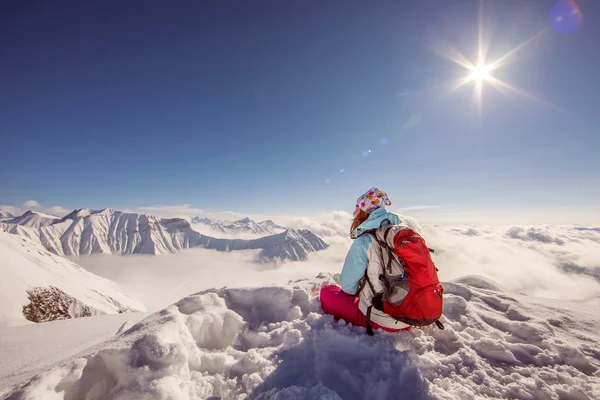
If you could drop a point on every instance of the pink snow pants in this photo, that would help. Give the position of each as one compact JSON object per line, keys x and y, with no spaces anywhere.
{"x":344,"y":306}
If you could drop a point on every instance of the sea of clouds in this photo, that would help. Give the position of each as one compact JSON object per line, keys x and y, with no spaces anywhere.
{"x":556,"y":262}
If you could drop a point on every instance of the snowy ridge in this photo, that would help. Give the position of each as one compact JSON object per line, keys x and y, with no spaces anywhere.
{"x":245,"y":225}
{"x":32,"y":219}
{"x":84,"y":232}
{"x":5,"y":215}
{"x":274,"y":343}
{"x":47,"y":287}
{"x":289,"y":245}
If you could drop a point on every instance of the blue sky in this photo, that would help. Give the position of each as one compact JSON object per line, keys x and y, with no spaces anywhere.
{"x":257,"y":106}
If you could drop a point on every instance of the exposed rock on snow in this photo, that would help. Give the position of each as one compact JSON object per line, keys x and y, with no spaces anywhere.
{"x":84,"y":232}
{"x":51,"y":304}
{"x":274,"y":342}
{"x":40,"y":286}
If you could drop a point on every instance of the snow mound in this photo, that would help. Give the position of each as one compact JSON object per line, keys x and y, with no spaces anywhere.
{"x":41,"y":286}
{"x":275,"y":343}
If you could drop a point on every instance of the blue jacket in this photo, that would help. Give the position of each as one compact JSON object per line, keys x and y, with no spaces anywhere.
{"x":357,"y":258}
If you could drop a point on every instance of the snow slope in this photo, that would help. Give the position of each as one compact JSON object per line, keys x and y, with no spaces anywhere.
{"x":109,"y":231}
{"x":25,"y":350}
{"x":63,"y":288}
{"x":275,"y":343}
{"x":245,"y":225}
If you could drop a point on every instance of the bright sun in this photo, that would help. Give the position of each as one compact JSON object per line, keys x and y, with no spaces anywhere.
{"x":480,"y":73}
{"x":483,"y":70}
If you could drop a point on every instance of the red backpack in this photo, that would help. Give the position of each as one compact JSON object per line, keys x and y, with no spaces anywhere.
{"x":408,"y":267}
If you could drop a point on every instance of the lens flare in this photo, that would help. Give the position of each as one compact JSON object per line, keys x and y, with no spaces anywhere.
{"x":566,"y":16}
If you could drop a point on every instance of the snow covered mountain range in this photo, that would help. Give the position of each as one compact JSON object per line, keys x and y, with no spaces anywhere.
{"x":40,"y":286}
{"x":108,"y":231}
{"x":245,"y":225}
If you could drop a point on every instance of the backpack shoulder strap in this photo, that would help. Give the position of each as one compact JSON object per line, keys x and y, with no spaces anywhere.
{"x":377,"y":299}
{"x":371,"y":232}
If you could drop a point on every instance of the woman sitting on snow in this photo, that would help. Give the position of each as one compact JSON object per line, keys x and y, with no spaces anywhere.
{"x":351,"y":302}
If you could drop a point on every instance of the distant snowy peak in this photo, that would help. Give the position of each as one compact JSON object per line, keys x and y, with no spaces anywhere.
{"x":39,"y":286}
{"x":268,"y":224}
{"x":206,"y":221}
{"x":289,"y":245}
{"x":107,"y":231}
{"x":245,"y":225}
{"x":82,"y":212}
{"x":297,"y":244}
{"x":33,"y":219}
{"x":5,"y":215}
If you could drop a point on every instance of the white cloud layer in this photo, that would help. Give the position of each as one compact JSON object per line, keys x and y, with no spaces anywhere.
{"x":559,"y":262}
{"x":158,"y":281}
{"x":186,"y":211}
{"x":31,"y":204}
{"x":57,"y":210}
{"x":11,"y":209}
{"x":34,"y":205}
{"x":553,"y":262}
{"x":336,"y":223}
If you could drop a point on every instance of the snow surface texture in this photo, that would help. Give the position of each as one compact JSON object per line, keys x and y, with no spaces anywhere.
{"x":107,"y":231}
{"x":275,"y":343}
{"x":245,"y":225}
{"x":27,"y":268}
